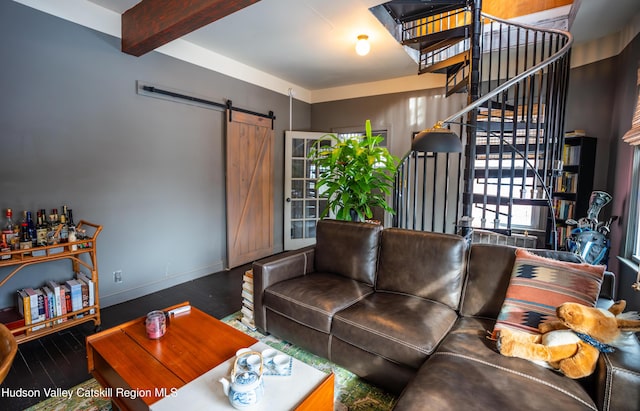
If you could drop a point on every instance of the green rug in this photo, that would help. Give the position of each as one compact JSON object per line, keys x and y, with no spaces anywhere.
{"x":351,"y":393}
{"x":76,"y":402}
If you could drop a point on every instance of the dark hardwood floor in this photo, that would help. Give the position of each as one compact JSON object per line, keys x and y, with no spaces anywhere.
{"x":59,"y":360}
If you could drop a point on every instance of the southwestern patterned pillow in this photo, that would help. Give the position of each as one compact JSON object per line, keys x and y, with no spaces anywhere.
{"x":538,"y":285}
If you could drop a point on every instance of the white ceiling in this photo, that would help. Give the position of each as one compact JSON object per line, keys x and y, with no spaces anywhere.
{"x":311,"y":42}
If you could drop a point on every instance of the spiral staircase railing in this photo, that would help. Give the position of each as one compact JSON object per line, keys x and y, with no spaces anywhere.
{"x":512,"y":130}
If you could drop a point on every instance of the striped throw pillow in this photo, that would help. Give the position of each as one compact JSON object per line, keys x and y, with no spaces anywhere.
{"x":538,"y":285}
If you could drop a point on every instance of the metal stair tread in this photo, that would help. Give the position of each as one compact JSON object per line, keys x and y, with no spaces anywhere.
{"x":428,"y":40}
{"x":458,"y":87}
{"x":444,"y":64}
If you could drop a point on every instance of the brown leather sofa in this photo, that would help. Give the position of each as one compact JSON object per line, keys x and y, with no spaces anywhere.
{"x":410,"y":311}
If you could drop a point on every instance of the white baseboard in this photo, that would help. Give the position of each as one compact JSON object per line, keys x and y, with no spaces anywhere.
{"x":142,"y":290}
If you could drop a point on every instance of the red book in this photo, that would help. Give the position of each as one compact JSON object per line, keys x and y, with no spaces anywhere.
{"x":67,"y":298}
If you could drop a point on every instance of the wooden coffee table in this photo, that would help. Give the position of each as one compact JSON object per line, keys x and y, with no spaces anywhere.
{"x":138,"y":372}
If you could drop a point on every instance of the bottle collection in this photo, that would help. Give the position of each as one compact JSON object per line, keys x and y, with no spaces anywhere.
{"x":43,"y":230}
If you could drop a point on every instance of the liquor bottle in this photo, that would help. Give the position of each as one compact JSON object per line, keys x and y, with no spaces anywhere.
{"x":8,"y":229}
{"x":31,"y":226}
{"x":72,"y":230}
{"x":25,"y":238}
{"x":45,"y":221}
{"x":55,"y":222}
{"x":70,"y":221}
{"x":64,"y":213}
{"x":54,"y":212}
{"x":15,"y":241}
{"x":52,"y":235}
{"x":42,"y":229}
{"x":4,"y":248}
{"x":64,"y":229}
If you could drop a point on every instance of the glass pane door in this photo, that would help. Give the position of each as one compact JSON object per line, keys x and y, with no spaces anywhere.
{"x":303,"y":204}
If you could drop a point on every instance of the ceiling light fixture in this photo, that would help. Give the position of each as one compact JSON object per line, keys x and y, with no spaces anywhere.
{"x":362,"y":45}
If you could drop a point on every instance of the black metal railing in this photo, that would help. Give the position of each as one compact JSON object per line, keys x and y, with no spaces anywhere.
{"x":512,"y":130}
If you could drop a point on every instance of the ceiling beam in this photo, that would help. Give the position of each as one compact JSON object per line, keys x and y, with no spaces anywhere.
{"x":153,"y":23}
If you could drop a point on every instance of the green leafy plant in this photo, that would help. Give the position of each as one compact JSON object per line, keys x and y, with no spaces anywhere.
{"x":355,"y":174}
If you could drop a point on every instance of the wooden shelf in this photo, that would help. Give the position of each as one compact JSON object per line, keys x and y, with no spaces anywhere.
{"x":20,"y":259}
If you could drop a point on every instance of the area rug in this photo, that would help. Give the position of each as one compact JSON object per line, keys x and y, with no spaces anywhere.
{"x":351,"y":392}
{"x":76,"y":402}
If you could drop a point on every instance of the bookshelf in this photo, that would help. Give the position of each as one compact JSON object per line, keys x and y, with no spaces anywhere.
{"x":74,"y":251}
{"x":572,"y":189}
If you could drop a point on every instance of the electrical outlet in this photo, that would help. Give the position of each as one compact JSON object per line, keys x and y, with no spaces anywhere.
{"x":117,"y":276}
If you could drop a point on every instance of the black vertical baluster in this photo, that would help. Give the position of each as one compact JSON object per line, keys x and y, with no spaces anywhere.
{"x":459,"y":174}
{"x":434,"y":191}
{"x":415,"y":192}
{"x":446,"y":192}
{"x":424,"y":190}
{"x":487,"y":153}
{"x":513,"y":132}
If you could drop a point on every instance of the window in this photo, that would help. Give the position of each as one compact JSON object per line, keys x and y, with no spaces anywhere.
{"x":522,"y":216}
{"x":359,"y":133}
{"x":505,"y":174}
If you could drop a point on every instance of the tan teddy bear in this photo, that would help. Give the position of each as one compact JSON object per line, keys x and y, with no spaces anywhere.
{"x":572,"y":344}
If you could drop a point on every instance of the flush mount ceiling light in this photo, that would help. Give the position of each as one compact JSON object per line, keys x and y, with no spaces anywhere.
{"x":362,"y":45}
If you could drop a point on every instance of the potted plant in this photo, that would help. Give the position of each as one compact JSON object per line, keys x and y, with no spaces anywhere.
{"x":355,"y":174}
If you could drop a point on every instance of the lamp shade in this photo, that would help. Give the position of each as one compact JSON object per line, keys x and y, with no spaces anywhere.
{"x":437,"y":140}
{"x":362,"y":45}
{"x":633,"y":135}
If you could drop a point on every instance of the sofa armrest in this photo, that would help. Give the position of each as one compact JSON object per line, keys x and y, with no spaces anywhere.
{"x":274,"y":269}
{"x":618,"y":377}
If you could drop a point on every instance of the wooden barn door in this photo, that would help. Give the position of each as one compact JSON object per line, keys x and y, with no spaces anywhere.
{"x":249,"y":188}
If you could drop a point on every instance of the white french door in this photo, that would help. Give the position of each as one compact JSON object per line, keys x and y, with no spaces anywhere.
{"x":303,"y":204}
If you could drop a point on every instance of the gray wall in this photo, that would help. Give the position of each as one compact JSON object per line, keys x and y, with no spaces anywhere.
{"x":621,"y":164}
{"x":74,"y":131}
{"x":602,"y":98}
{"x":591,"y":96}
{"x":400,"y":114}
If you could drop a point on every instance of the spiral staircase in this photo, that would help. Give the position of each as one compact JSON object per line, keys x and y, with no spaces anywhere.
{"x":512,"y":129}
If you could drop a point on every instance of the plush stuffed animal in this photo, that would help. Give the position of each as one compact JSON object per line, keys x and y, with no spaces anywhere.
{"x":572,"y":344}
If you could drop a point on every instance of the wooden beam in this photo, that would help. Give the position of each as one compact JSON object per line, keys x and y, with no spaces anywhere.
{"x":153,"y":23}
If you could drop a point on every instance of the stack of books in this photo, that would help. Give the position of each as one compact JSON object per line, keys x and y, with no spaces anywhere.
{"x":52,"y":302}
{"x":563,"y":208}
{"x":247,"y":300}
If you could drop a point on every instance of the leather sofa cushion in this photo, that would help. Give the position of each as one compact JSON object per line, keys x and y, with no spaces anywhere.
{"x":488,"y":275}
{"x":424,"y":264}
{"x":347,"y":248}
{"x":619,"y":375}
{"x":313,"y":299}
{"x":467,"y":372}
{"x":400,"y":328}
{"x":453,"y":383}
